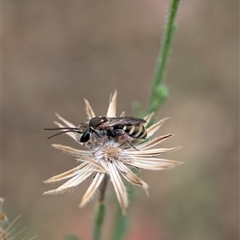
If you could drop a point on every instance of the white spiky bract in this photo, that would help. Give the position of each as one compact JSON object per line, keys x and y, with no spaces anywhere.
{"x":112,"y":159}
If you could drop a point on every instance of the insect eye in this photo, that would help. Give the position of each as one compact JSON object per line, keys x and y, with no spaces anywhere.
{"x":85,"y":137}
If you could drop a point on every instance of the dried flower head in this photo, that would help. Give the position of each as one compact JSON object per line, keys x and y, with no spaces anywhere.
{"x":112,"y":158}
{"x":8,"y":230}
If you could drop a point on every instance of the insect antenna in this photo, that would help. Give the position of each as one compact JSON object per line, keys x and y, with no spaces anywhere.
{"x":68,"y":129}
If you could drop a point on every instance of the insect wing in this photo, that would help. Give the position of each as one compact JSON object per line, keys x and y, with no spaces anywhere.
{"x":124,"y":121}
{"x":97,"y":121}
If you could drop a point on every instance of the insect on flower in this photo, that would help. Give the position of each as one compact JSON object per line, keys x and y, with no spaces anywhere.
{"x":109,"y":157}
{"x":110,"y":127}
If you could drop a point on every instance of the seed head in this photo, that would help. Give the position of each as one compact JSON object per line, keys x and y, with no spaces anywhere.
{"x":112,"y":158}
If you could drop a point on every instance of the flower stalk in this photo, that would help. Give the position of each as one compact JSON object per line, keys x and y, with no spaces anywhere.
{"x":159,"y":91}
{"x":158,"y":95}
{"x":99,"y":215}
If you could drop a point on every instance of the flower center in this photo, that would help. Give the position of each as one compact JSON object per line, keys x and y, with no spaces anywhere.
{"x":111,"y":153}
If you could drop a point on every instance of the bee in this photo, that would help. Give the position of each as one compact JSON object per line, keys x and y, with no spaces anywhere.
{"x":111,"y":127}
{"x":118,"y":127}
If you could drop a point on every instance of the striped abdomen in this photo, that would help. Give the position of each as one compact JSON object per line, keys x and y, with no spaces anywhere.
{"x":135,"y":131}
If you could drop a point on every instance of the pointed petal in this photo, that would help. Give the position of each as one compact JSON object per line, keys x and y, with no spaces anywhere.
{"x":74,"y":181}
{"x":80,"y":156}
{"x":67,"y":123}
{"x":153,"y":165}
{"x":89,"y":111}
{"x":151,"y":130}
{"x":70,"y":134}
{"x":151,"y":152}
{"x":153,"y":159}
{"x":119,"y":187}
{"x":131,"y":177}
{"x":111,"y":112}
{"x":103,"y":163}
{"x":148,"y":118}
{"x":66,"y":175}
{"x":72,"y":151}
{"x":79,"y":178}
{"x":92,"y":188}
{"x":153,"y":142}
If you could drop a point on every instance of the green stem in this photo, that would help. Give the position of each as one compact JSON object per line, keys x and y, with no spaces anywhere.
{"x":121,"y":223}
{"x":158,"y":96}
{"x":98,"y":220}
{"x":159,"y":91}
{"x":100,"y":211}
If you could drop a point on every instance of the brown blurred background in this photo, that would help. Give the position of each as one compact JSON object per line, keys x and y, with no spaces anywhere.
{"x":55,"y":53}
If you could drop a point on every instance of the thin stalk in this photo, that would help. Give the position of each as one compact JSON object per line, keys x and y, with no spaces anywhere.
{"x":158,"y":96}
{"x":159,"y":91}
{"x":121,"y":224}
{"x":100,"y":211}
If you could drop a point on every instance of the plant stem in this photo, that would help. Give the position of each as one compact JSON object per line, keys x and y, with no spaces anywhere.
{"x":159,"y":91}
{"x":121,"y":224}
{"x":100,"y":211}
{"x":158,"y":96}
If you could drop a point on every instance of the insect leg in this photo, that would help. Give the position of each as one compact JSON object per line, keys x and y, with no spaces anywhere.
{"x":121,"y":133}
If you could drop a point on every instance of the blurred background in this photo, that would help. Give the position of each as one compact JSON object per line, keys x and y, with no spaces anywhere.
{"x":55,"y":53}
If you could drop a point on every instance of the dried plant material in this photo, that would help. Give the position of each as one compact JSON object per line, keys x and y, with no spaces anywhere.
{"x":112,"y":158}
{"x":8,"y":230}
